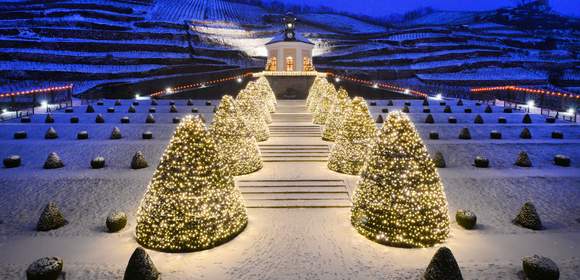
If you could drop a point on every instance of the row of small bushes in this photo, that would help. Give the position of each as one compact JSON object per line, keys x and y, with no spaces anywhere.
{"x":465,"y":134}
{"x":53,"y":161}
{"x":81,"y":135}
{"x":523,"y":160}
{"x":101,"y":119}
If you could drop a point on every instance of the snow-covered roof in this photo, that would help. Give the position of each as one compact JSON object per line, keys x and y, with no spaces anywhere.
{"x":280,"y":38}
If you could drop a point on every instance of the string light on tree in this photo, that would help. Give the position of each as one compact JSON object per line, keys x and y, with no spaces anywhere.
{"x":336,"y":116}
{"x":400,"y":200}
{"x":252,"y":113}
{"x":235,"y":143}
{"x":324,"y":105}
{"x":314,"y":93}
{"x":191,"y":203}
{"x":353,"y":140}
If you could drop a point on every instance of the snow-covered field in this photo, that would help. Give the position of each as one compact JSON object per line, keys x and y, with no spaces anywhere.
{"x":288,"y":243}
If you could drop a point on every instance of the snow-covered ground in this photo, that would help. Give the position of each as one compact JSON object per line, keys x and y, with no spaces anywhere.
{"x":288,"y":243}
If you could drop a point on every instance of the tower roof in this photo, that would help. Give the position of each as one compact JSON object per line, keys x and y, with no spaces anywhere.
{"x":280,"y":38}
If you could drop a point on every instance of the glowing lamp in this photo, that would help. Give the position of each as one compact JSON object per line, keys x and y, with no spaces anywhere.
{"x":531,"y":103}
{"x":375,"y":86}
{"x":4,"y":111}
{"x":43,"y":103}
{"x":571,"y":111}
{"x":407,"y":91}
{"x":337,"y":79}
{"x":239,"y":80}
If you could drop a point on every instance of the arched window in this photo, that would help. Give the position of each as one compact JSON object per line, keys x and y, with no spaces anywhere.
{"x":290,"y":64}
{"x":272,"y":64}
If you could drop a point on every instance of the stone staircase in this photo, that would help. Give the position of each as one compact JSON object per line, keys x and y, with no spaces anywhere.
{"x":296,"y":157}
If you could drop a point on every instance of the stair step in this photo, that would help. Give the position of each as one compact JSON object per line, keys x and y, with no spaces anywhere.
{"x":291,"y":182}
{"x":295,"y":196}
{"x":298,"y":204}
{"x":304,"y":189}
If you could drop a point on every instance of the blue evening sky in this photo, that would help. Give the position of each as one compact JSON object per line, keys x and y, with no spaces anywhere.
{"x":382,"y":7}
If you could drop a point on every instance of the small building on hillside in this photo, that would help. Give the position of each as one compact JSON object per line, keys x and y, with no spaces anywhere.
{"x":289,"y":51}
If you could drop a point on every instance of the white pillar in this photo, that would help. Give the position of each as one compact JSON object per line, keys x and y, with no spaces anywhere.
{"x":299,"y":60}
{"x":281,"y":64}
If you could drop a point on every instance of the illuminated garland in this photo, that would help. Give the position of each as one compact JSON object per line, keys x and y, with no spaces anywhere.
{"x":400,"y":200}
{"x":324,"y":105}
{"x":177,"y":89}
{"x":353,"y":140}
{"x":336,"y":115}
{"x":191,"y":203}
{"x":390,"y":87}
{"x":36,"y":91}
{"x":252,"y":112}
{"x":526,"y":90}
{"x":235,"y":143}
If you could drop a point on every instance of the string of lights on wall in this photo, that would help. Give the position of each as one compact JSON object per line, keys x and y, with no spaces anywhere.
{"x":173,"y":90}
{"x":391,"y":87}
{"x":37,"y":91}
{"x":526,"y":90}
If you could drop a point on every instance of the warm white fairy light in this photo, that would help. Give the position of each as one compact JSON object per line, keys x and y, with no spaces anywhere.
{"x":254,"y":112}
{"x":324,"y":104}
{"x":400,"y":200}
{"x":353,"y":140}
{"x":235,"y":143}
{"x":315,"y":92}
{"x":336,"y":115}
{"x":191,"y":203}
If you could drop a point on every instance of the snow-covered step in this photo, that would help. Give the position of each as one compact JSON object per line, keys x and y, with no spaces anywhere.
{"x":296,"y":153}
{"x":294,"y":193}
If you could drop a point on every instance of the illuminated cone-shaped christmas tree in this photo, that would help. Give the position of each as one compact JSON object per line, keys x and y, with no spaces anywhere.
{"x":353,"y":140}
{"x":336,"y":116}
{"x":316,"y":91}
{"x":235,"y":143}
{"x":191,"y":203}
{"x":258,"y":101}
{"x":268,"y":94}
{"x":324,"y":106}
{"x":400,"y":200}
{"x":253,"y":115}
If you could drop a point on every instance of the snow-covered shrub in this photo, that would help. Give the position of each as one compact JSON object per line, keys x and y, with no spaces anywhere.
{"x":83,"y":135}
{"x":439,"y":160}
{"x":433,"y":135}
{"x":526,"y":134}
{"x":51,"y":133}
{"x":98,"y":163}
{"x":116,"y":221}
{"x":562,"y":160}
{"x":141,"y":267}
{"x":466,"y":218}
{"x":138,"y":161}
{"x":53,"y":161}
{"x":494,"y":134}
{"x":464,"y":134}
{"x":90,"y":109}
{"x":528,"y":217}
{"x":443,"y":266}
{"x":100,"y":119}
{"x":20,"y":135}
{"x":540,"y":268}
{"x":74,"y":119}
{"x":557,"y":135}
{"x":173,"y":109}
{"x":429,"y":119}
{"x":478,"y":119}
{"x":12,"y":161}
{"x":46,"y":268}
{"x":131,"y":109}
{"x":527,"y":119}
{"x":523,"y":160}
{"x":452,"y":120}
{"x":111,"y":110}
{"x":447,"y":109}
{"x":125,"y":120}
{"x":50,"y":218}
{"x":49,"y":118}
{"x":116,"y":133}
{"x":147,"y":135}
{"x":481,"y":162}
{"x":150,"y":119}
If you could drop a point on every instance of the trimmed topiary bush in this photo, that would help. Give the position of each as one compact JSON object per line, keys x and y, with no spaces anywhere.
{"x":171,"y":102}
{"x":118,"y":102}
{"x":53,"y":162}
{"x":25,"y":120}
{"x":385,"y":110}
{"x":466,"y":218}
{"x":172,"y":109}
{"x":373,"y":103}
{"x":74,"y":119}
{"x":433,"y":135}
{"x":494,"y":134}
{"x":562,"y":160}
{"x":452,"y":120}
{"x":51,"y":133}
{"x":464,"y":134}
{"x":147,"y":135}
{"x":195,"y":110}
{"x":550,"y":120}
{"x":99,"y":119}
{"x":426,"y":110}
{"x":508,"y":110}
{"x":138,"y":161}
{"x":488,"y":109}
{"x":189,"y":102}
{"x":429,"y":119}
{"x":83,"y":135}
{"x":467,"y":110}
{"x":125,"y":120}
{"x":116,"y":221}
{"x":51,"y":218}
{"x":557,"y":135}
{"x":90,"y":109}
{"x":528,"y":217}
{"x":47,"y":268}
{"x":407,"y":103}
{"x":523,"y":160}
{"x":526,"y":134}
{"x":12,"y":161}
{"x":100,"y":103}
{"x":141,"y":267}
{"x":379,"y":119}
{"x":116,"y":133}
{"x":154,"y":102}
{"x":425,"y":102}
{"x":405,"y":109}
{"x":131,"y":109}
{"x":540,"y":268}
{"x":208,"y":103}
{"x":501,"y":120}
{"x":152,"y":110}
{"x":439,"y":160}
{"x":460,"y":102}
{"x":135,"y":103}
{"x":49,"y":118}
{"x":443,"y":103}
{"x":150,"y":119}
{"x":447,"y":109}
{"x":176,"y":120}
{"x":443,"y":266}
{"x":390,"y":103}
{"x":110,"y":110}
{"x":481,"y":162}
{"x":20,"y":135}
{"x":98,"y":163}
{"x":478,"y":119}
{"x":527,"y":119}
